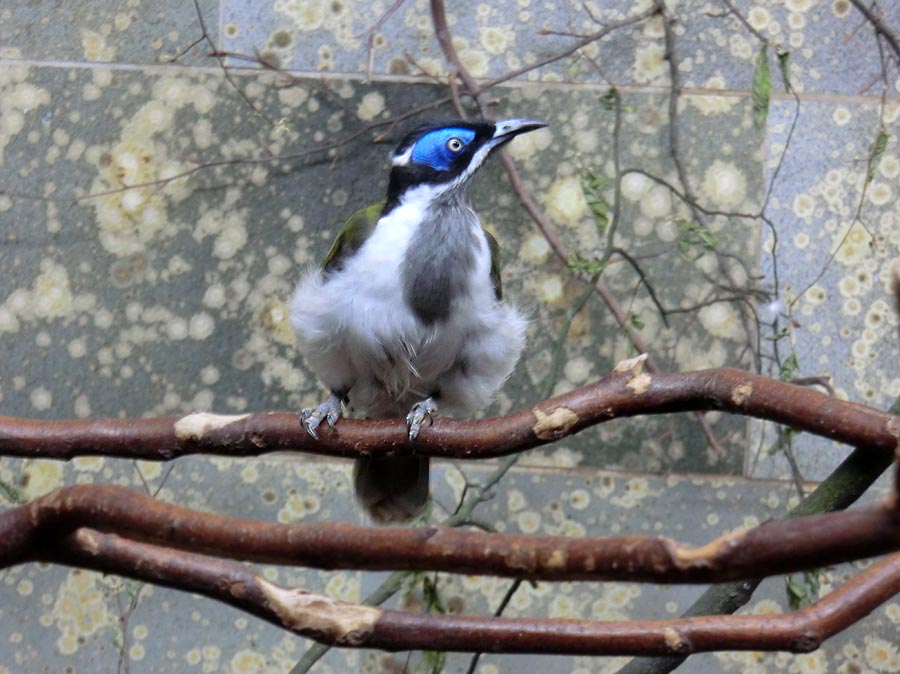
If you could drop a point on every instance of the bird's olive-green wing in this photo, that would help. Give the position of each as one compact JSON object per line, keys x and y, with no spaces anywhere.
{"x":352,"y":235}
{"x":359,"y":227}
{"x":495,"y":264}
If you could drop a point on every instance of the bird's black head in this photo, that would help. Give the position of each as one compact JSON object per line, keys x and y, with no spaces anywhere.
{"x":445,"y":156}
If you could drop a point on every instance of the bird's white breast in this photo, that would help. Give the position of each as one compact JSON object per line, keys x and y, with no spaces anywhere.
{"x":358,"y":332}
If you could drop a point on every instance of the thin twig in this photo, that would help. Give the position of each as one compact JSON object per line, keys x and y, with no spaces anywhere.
{"x":880,"y":27}
{"x":514,"y":586}
{"x":776,"y":47}
{"x":369,"y":34}
{"x":857,"y":218}
{"x":225,"y":71}
{"x":293,"y":156}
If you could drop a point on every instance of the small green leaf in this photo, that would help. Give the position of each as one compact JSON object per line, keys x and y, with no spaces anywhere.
{"x":583,"y":265}
{"x":593,"y":182}
{"x":707,"y":238}
{"x":693,"y":234}
{"x":591,"y":185}
{"x":797,"y":593}
{"x":11,"y":494}
{"x":762,"y":88}
{"x":789,"y":367}
{"x":786,"y":438}
{"x":132,"y":589}
{"x":119,"y":639}
{"x":876,"y":152}
{"x":803,"y":592}
{"x":433,"y":599}
{"x":813,"y":580}
{"x":610,"y":100}
{"x":781,"y":334}
{"x":636,"y":322}
{"x":784,"y":66}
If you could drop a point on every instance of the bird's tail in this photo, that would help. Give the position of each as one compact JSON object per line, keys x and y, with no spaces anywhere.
{"x":392,"y":488}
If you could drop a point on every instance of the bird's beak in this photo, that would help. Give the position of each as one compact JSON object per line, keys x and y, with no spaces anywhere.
{"x":508,"y":129}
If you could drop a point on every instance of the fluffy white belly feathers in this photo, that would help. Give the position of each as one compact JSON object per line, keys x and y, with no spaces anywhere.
{"x":359,"y":335}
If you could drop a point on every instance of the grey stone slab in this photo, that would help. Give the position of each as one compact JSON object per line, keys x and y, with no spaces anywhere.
{"x":117,"y":31}
{"x":170,"y":297}
{"x":52,"y":617}
{"x":830,"y":50}
{"x":833,"y":265}
{"x":183,"y":247}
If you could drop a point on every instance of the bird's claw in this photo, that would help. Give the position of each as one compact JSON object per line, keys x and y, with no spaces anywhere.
{"x":332,"y":417}
{"x":310,"y":420}
{"x":330,"y":411}
{"x":418,"y":414}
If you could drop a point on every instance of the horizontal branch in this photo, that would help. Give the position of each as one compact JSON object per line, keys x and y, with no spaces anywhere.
{"x":781,"y":546}
{"x":353,"y":625}
{"x":627,"y":392}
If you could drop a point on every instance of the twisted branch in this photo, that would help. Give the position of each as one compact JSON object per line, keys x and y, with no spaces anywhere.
{"x":781,"y":546}
{"x":355,"y":626}
{"x":628,"y":391}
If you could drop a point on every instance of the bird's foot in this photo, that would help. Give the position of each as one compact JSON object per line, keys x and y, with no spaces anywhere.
{"x":418,"y":414}
{"x":330,"y":411}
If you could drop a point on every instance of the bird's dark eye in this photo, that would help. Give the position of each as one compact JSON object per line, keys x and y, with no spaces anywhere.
{"x":454,"y":145}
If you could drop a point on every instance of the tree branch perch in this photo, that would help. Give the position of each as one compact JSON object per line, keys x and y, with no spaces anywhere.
{"x":357,"y":626}
{"x":628,"y":391}
{"x":780,"y":546}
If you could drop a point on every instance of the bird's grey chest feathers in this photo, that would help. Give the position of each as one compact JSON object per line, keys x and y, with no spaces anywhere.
{"x":440,"y":259}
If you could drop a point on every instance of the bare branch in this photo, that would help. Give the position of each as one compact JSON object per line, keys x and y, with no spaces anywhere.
{"x":776,"y":547}
{"x":239,"y":161}
{"x":879,"y":26}
{"x":776,"y":47}
{"x":628,"y":391}
{"x":840,"y":490}
{"x":580,"y":44}
{"x":225,"y":70}
{"x":356,"y":626}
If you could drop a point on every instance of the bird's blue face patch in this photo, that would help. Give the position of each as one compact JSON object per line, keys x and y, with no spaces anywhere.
{"x":439,"y":148}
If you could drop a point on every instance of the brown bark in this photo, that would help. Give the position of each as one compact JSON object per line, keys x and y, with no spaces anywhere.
{"x":351,"y":625}
{"x":777,"y":547}
{"x":628,"y":391}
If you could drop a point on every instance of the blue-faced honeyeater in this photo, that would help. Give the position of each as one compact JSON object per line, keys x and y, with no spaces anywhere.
{"x":405,"y":315}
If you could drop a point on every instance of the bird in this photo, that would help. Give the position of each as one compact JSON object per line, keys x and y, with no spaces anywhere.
{"x":405,"y":314}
